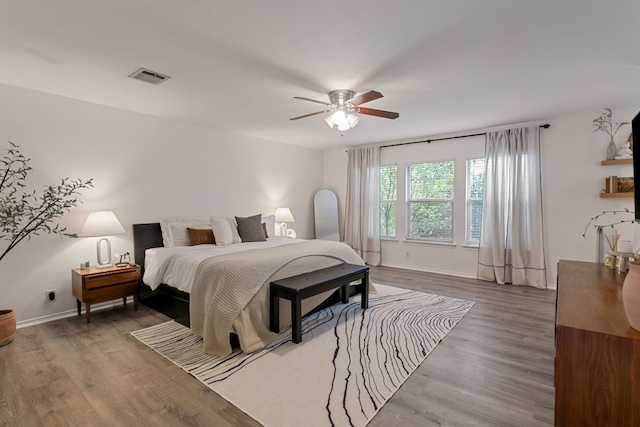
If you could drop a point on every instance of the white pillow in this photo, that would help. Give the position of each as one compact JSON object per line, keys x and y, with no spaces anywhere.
{"x":225,"y":231}
{"x":234,"y":230}
{"x":270,"y":222}
{"x":174,"y":231}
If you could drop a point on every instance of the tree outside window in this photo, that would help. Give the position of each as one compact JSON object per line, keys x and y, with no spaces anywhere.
{"x":388,"y":198}
{"x":430,"y":192}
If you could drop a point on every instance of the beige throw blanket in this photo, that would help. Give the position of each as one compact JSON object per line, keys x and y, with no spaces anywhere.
{"x":231,"y":292}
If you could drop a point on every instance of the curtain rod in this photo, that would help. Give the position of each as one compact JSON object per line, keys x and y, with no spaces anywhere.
{"x":429,"y":141}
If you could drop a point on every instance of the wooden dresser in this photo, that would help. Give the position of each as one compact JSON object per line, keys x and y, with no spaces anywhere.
{"x":597,"y":366}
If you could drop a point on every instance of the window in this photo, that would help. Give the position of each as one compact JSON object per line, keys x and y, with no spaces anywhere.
{"x":475,"y":191}
{"x":430,"y":191}
{"x":388,"y":197}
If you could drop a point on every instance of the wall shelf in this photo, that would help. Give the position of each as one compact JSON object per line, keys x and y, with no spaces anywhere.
{"x":617,"y":162}
{"x":611,"y":195}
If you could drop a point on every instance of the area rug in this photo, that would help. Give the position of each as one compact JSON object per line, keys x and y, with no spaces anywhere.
{"x":349,"y":363}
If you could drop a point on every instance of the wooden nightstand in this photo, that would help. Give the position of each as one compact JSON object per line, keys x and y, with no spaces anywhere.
{"x":93,"y":285}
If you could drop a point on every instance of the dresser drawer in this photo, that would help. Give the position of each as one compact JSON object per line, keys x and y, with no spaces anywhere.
{"x":99,"y":281}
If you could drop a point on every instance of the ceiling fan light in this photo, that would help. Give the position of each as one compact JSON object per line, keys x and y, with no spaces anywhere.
{"x":353,"y":119}
{"x":340,"y":118}
{"x":329,"y":121}
{"x":344,"y":126}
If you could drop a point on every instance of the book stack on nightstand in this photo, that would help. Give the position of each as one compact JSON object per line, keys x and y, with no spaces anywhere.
{"x":93,"y":285}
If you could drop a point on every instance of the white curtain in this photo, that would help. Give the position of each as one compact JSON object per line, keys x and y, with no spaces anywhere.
{"x":362,"y":211}
{"x":511,"y":244}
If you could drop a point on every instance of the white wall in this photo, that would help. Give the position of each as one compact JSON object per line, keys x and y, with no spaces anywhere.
{"x":572,"y":180}
{"x":144,"y":169}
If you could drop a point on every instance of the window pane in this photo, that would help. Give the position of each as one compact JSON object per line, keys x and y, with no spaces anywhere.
{"x":430,"y":180}
{"x":475,"y":192}
{"x":388,"y":196}
{"x":431,"y":220}
{"x":475,"y":177}
{"x":387,"y":219}
{"x":430,"y":188}
{"x":388,"y":182}
{"x":474,"y":223}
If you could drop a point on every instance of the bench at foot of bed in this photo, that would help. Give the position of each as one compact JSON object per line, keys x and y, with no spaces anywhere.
{"x":306,"y":285}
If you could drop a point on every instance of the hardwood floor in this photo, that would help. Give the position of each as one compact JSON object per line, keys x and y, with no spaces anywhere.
{"x":495,"y":368}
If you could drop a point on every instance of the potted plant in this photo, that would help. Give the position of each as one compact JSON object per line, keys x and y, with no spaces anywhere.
{"x":24,"y":214}
{"x":604,"y":124}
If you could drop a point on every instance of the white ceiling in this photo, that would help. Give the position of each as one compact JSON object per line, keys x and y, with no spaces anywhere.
{"x":445,"y":66}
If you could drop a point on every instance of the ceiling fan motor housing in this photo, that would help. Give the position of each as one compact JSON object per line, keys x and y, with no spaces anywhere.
{"x":340,"y":97}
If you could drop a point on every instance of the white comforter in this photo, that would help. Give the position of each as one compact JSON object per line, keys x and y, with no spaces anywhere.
{"x":229,"y":291}
{"x":176,"y":266}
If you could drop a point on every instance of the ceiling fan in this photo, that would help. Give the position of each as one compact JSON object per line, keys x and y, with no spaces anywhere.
{"x":344,"y":107}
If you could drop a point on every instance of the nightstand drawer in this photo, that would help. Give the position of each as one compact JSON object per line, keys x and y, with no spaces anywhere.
{"x":107,"y":293}
{"x":110,"y":279}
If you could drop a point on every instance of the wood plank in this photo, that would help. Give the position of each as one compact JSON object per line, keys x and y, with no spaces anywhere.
{"x":495,"y":368}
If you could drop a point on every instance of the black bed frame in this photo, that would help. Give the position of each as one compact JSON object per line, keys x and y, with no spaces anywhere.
{"x":170,"y":301}
{"x":165,"y":299}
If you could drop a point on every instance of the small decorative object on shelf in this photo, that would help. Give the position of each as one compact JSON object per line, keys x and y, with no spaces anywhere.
{"x":604,"y":124}
{"x":625,"y":184}
{"x":611,"y":184}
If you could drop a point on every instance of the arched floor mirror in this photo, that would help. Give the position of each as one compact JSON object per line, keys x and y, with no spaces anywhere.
{"x":325,"y":209}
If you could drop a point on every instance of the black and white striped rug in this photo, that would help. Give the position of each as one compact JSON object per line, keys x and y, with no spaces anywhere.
{"x":349,"y":363}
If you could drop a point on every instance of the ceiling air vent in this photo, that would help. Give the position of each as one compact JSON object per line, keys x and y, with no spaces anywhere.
{"x":149,"y":76}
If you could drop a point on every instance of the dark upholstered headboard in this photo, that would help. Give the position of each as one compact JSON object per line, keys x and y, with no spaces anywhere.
{"x":145,"y":236}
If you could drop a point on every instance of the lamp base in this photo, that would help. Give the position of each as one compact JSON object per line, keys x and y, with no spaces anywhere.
{"x":104,"y":257}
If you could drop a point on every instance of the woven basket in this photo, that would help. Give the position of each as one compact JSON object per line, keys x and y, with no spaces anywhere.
{"x":7,"y":326}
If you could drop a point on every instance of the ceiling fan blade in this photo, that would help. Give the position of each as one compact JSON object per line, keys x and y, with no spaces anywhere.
{"x":365,"y":97}
{"x":379,"y":113}
{"x":312,"y":100}
{"x":309,"y":115}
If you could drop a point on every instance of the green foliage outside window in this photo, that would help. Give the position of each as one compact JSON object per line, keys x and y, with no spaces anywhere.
{"x":388,"y":197}
{"x":430,"y":191}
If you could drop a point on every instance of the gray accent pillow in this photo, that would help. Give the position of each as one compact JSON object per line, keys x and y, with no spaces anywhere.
{"x":250,"y":228}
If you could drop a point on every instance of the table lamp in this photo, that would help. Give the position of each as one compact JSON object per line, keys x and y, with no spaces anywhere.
{"x":283,"y":215}
{"x":101,"y":224}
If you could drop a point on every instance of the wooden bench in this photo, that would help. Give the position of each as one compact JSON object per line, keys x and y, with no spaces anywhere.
{"x":306,"y":285}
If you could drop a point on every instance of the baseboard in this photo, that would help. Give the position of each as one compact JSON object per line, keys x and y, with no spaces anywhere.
{"x":550,"y":286}
{"x":429,"y":270}
{"x":66,"y":314}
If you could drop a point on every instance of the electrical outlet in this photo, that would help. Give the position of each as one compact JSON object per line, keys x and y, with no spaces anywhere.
{"x":408,"y":254}
{"x":51,"y":295}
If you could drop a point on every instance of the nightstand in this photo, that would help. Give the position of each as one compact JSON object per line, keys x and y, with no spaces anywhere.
{"x":93,"y":285}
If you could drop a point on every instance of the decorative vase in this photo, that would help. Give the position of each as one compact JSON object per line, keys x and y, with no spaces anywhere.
{"x":612,"y":150}
{"x":631,"y":295}
{"x":7,"y":326}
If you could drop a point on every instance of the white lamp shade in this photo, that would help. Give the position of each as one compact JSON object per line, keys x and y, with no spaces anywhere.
{"x":99,"y":224}
{"x":353,"y":119}
{"x":284,"y":215}
{"x":329,"y":121}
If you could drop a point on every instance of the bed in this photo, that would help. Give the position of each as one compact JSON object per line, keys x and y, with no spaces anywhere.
{"x":227,"y":285}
